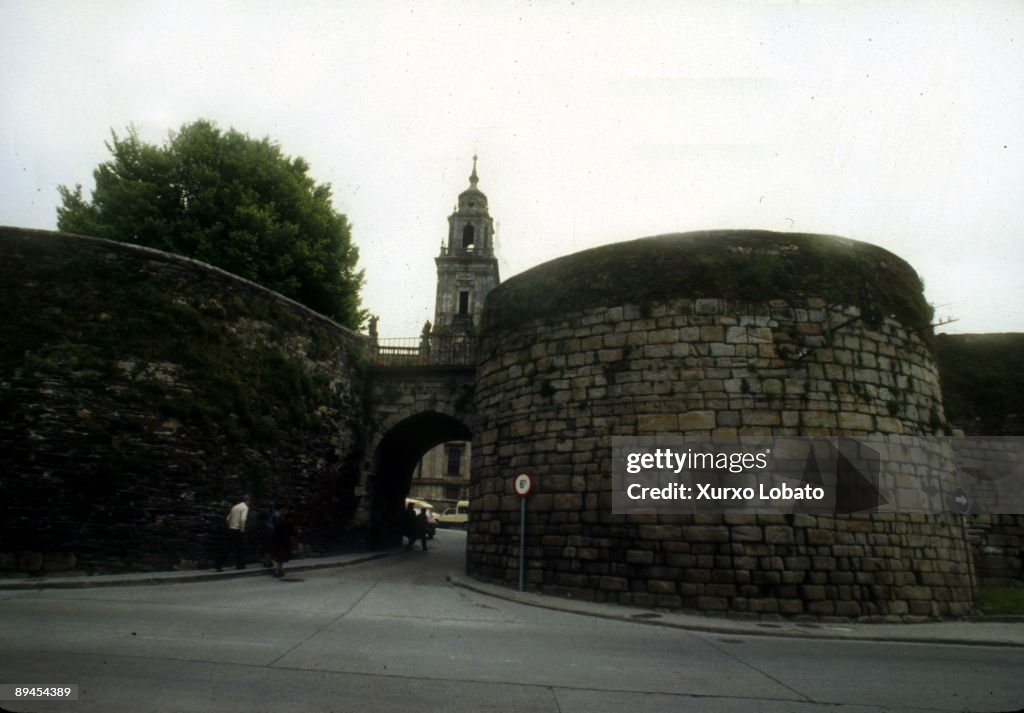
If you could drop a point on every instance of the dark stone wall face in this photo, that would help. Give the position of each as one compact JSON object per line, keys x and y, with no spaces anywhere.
{"x":141,"y":394}
{"x":552,"y":391}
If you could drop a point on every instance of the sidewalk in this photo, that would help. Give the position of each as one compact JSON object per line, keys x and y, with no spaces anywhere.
{"x":977,"y":633}
{"x":974,"y":633}
{"x":82,"y":581}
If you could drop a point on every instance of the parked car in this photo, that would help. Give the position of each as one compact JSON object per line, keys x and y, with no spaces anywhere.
{"x":421,"y":505}
{"x":455,"y":516}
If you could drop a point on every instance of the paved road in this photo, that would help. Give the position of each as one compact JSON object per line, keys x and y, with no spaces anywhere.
{"x":391,"y":635}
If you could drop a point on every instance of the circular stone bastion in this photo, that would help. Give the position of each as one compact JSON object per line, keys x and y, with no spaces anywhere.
{"x":713,"y":334}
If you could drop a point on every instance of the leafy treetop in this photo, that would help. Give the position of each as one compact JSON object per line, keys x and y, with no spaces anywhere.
{"x":228,"y":200}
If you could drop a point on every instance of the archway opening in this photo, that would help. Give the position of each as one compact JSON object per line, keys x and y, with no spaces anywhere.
{"x":395,"y":459}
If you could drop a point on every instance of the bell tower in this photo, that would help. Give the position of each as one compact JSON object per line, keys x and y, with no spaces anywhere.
{"x":466,"y":268}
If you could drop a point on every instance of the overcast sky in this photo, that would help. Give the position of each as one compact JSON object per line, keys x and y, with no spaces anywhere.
{"x":895,"y":123}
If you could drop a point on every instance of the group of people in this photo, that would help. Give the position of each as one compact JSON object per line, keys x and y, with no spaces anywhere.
{"x":278,"y":535}
{"x":415,"y":526}
{"x":280,"y":531}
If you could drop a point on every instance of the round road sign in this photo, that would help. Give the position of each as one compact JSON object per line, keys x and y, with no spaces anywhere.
{"x":523,"y":484}
{"x":960,"y":500}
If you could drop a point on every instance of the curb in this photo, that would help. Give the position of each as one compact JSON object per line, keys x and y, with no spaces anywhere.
{"x":179,"y":577}
{"x":799,"y":630}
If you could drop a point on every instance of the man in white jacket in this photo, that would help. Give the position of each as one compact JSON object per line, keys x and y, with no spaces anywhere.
{"x":235,"y":540}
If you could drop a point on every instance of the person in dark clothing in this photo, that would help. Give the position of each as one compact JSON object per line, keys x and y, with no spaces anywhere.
{"x":268,"y":536}
{"x":281,"y":542}
{"x":409,"y":525}
{"x":420,"y":532}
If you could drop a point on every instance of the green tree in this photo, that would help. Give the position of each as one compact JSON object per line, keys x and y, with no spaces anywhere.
{"x":228,"y":200}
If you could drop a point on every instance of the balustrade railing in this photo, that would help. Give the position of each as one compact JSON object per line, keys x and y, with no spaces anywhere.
{"x":436,"y":350}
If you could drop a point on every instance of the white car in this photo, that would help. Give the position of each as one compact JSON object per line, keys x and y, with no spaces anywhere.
{"x":455,"y":516}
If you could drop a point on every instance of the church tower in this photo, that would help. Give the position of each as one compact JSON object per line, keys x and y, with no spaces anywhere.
{"x":466,"y":271}
{"x":466,"y":268}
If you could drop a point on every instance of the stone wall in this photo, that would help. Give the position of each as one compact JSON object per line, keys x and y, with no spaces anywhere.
{"x":553,"y":389}
{"x":142,"y":393}
{"x":998,"y":544}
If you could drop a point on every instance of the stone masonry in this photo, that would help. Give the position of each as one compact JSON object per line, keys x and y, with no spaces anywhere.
{"x":141,"y":393}
{"x":551,"y":392}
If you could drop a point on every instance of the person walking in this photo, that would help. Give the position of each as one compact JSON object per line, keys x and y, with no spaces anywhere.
{"x":284,"y":531}
{"x":268,"y":536}
{"x":420,"y":532}
{"x":235,"y":540}
{"x":409,"y":525}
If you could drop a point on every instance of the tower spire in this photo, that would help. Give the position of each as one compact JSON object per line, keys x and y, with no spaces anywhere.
{"x":472,"y":177}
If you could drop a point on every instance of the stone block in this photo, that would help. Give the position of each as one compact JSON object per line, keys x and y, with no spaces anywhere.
{"x":761,"y":417}
{"x":706,"y":533}
{"x":657,"y":423}
{"x":850,"y":421}
{"x":848,"y":608}
{"x":697,"y":575}
{"x":685,"y":561}
{"x":746,"y":533}
{"x":812,"y":592}
{"x":821,"y":608}
{"x":922,"y":607}
{"x":705,"y":603}
{"x":820,"y":537}
{"x":659,"y":533}
{"x":696,"y":421}
{"x":661,"y":586}
{"x":613,"y":584}
{"x":763,"y":605}
{"x":914,"y":592}
{"x":778,"y":535}
{"x":818,"y":419}
{"x":642,"y":557}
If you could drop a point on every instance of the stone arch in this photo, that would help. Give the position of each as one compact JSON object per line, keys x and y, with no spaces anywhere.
{"x":406,"y":438}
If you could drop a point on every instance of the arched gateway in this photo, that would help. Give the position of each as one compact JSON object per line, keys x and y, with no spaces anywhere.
{"x":415,"y":408}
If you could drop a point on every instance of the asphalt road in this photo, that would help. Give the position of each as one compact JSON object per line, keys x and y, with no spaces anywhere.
{"x":392,"y":635}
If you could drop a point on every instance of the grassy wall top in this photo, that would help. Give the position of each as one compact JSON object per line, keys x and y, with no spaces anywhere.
{"x":728,"y":264}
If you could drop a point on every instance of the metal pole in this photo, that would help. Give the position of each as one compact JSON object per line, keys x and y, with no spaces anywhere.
{"x":522,"y":542}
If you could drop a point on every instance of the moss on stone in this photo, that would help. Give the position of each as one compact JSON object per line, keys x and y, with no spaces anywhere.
{"x":983,"y":382}
{"x":738,"y":264}
{"x":139,"y":389}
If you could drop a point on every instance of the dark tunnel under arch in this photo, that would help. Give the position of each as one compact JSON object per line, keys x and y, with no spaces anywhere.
{"x":395,"y":458}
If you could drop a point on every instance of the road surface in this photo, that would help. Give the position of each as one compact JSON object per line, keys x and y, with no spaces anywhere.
{"x":393,"y":635}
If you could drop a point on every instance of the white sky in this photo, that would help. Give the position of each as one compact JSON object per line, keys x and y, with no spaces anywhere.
{"x":897,"y":123}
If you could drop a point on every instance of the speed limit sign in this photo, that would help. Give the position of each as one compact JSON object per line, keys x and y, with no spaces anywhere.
{"x":523,"y":484}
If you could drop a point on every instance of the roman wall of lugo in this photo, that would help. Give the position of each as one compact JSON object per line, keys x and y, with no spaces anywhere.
{"x":730,"y":333}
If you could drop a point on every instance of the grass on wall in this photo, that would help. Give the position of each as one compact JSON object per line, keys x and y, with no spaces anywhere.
{"x":983,"y":381}
{"x":90,"y":322}
{"x":739,"y":265}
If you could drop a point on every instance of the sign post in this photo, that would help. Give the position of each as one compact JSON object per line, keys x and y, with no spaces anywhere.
{"x":523,"y":485}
